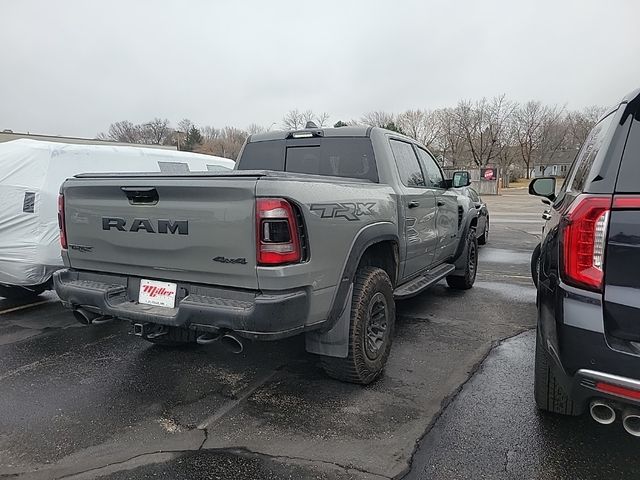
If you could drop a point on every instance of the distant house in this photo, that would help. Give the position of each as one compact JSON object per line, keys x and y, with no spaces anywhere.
{"x":8,"y":135}
{"x":556,"y":166}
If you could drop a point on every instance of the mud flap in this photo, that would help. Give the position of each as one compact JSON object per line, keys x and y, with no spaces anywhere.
{"x":461,"y":261}
{"x":334,"y":342}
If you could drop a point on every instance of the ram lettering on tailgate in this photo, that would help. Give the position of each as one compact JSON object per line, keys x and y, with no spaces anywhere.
{"x":181,"y":227}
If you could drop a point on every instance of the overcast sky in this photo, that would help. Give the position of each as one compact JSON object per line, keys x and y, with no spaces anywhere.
{"x":74,"y":67}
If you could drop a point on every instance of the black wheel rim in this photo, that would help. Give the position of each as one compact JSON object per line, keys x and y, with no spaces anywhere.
{"x":377,"y":326}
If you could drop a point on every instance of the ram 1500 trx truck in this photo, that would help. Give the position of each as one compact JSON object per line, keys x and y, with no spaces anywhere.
{"x":317,"y":232}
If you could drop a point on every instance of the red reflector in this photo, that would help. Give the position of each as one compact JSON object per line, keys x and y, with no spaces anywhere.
{"x":61,"y":223}
{"x":626,"y":201}
{"x":619,"y":391}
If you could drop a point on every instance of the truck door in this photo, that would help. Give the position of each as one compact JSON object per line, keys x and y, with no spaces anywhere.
{"x":418,"y":209}
{"x":446,"y":208}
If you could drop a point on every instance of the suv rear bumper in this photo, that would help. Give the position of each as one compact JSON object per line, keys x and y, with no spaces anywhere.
{"x":250,"y":314}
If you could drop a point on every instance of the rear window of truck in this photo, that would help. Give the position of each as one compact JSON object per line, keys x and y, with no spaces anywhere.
{"x":349,"y":157}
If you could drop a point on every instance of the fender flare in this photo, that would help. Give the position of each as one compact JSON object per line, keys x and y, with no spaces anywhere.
{"x":332,"y":339}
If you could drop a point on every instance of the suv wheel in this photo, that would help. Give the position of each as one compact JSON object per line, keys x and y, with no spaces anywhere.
{"x":467,"y":280}
{"x":549,"y":394}
{"x":373,"y":315}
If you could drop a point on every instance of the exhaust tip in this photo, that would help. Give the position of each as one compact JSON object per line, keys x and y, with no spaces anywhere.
{"x":602,"y":412}
{"x":83,"y":316}
{"x":631,"y":423}
{"x":232,"y":342}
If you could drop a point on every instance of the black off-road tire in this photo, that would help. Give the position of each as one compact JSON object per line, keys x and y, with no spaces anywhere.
{"x":549,"y":394}
{"x":21,"y":293}
{"x":484,"y":238}
{"x":175,"y":337}
{"x":466,"y":281}
{"x":535,"y":265}
{"x":372,"y":308}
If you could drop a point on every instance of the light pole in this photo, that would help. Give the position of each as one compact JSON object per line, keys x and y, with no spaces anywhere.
{"x":178,"y":133}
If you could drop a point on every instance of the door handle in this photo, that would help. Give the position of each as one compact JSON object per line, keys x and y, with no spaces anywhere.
{"x":440,"y":203}
{"x":413,"y":204}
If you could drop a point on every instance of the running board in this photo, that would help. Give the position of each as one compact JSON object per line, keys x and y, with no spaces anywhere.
{"x":424,"y":281}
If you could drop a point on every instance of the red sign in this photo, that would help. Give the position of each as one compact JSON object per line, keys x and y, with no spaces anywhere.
{"x":488,"y":173}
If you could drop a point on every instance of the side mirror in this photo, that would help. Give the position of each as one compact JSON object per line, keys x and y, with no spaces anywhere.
{"x":543,"y":187}
{"x":461,"y":179}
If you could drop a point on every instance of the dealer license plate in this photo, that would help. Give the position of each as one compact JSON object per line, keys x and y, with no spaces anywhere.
{"x":160,"y":294}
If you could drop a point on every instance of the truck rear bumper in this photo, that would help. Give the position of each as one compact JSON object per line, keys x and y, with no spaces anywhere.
{"x":250,"y":314}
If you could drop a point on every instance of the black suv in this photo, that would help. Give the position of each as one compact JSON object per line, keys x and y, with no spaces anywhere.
{"x":588,"y":337}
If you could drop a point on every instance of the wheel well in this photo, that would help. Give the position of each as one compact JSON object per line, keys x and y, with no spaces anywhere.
{"x":383,"y":255}
{"x":474,"y":222}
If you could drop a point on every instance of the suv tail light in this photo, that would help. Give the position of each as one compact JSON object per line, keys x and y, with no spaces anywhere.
{"x":61,"y":222}
{"x":584,"y":237}
{"x":277,"y":237}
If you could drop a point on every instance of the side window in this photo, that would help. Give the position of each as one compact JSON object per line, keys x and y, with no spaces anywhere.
{"x":407,"y":162}
{"x":434,"y":174}
{"x":588,"y":152}
{"x":629,"y":176}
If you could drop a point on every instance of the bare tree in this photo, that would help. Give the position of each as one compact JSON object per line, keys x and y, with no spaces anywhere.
{"x":124,"y":131}
{"x":378,"y":119}
{"x":481,"y":125}
{"x":155,"y":132}
{"x":581,"y":122}
{"x":209,"y":133}
{"x":293,"y":120}
{"x":322,"y":119}
{"x":255,"y":128}
{"x":421,"y":125}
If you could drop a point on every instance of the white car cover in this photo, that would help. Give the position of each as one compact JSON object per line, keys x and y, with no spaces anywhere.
{"x":31,"y":173}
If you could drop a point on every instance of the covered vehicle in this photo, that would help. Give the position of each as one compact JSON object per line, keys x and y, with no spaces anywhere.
{"x":31,"y":173}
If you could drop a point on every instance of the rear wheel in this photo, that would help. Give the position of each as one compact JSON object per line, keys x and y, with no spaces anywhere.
{"x":21,"y":293}
{"x":373,"y":315}
{"x":466,"y":281}
{"x":549,"y":394}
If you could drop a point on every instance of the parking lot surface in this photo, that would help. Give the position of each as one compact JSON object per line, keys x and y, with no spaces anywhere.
{"x":95,"y":402}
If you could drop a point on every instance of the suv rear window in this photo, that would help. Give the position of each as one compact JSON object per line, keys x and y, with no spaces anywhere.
{"x":350,"y":157}
{"x":588,"y":153}
{"x":629,"y":175}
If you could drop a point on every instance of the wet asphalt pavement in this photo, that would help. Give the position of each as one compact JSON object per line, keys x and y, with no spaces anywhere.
{"x":493,"y":430}
{"x":93,"y":402}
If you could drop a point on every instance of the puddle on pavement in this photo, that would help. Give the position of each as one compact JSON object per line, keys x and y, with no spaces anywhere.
{"x":501,"y":255}
{"x":510,"y":291}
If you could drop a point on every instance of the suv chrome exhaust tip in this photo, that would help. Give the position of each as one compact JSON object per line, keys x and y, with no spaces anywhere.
{"x":631,"y":422}
{"x":602,"y":412}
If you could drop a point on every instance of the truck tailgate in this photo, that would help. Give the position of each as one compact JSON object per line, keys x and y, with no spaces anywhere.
{"x":190,"y":229}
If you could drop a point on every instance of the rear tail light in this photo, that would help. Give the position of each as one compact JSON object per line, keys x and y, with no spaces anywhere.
{"x":584,"y":238}
{"x":61,"y":222}
{"x":277,"y":239}
{"x":626,"y":202}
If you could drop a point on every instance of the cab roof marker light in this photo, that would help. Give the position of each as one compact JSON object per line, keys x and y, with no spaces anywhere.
{"x":302,"y":135}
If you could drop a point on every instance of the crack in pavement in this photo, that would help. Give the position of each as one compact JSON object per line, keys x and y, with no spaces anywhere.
{"x":161,"y":456}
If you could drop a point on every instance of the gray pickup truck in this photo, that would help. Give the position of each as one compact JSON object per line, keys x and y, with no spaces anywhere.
{"x":317,"y":231}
